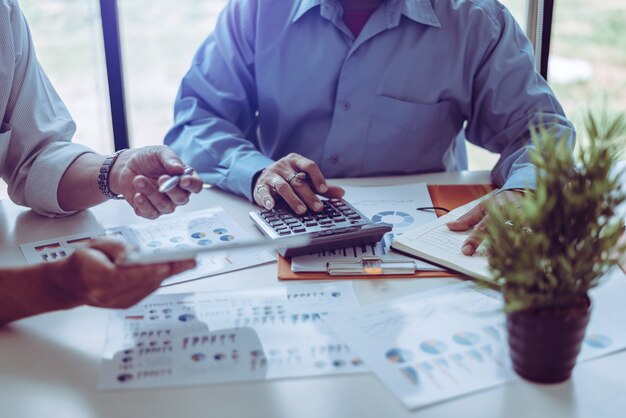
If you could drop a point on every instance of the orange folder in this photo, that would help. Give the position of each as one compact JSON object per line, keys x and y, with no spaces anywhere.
{"x":445,"y":196}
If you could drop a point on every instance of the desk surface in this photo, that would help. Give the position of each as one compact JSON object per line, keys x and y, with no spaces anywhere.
{"x":49,"y":364}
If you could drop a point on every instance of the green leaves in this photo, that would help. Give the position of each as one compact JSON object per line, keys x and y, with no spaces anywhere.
{"x":571,"y":216}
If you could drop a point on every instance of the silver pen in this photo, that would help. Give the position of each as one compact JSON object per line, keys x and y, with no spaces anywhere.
{"x":173,"y":181}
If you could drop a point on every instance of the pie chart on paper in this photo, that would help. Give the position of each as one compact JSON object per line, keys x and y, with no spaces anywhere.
{"x":394,"y":218}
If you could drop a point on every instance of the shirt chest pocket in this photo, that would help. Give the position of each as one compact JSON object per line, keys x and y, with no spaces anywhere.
{"x":408,"y":137}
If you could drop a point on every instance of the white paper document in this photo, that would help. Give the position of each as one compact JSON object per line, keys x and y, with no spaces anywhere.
{"x":206,"y":228}
{"x":392,"y":205}
{"x":259,"y":334}
{"x":436,"y":345}
{"x":436,"y":243}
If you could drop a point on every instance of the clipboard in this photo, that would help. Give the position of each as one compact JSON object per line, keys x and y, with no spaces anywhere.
{"x":449,"y":196}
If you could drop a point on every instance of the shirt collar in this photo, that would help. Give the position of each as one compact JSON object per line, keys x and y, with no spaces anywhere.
{"x":420,"y":11}
{"x":304,"y":6}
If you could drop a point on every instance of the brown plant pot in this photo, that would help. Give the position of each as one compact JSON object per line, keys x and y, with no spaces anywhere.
{"x":544,"y":343}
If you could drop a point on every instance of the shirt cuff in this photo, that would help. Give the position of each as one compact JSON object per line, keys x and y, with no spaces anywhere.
{"x":521,"y":178}
{"x":241,"y":173}
{"x":42,"y":184}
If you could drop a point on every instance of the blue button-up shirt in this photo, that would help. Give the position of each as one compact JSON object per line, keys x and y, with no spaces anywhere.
{"x":279,"y":76}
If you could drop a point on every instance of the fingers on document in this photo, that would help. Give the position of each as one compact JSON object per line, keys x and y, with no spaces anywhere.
{"x":475,"y":238}
{"x":475,"y":219}
{"x":467,"y":221}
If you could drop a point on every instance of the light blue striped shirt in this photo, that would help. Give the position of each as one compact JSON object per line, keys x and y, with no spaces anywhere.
{"x":35,"y":147}
{"x":279,"y":76}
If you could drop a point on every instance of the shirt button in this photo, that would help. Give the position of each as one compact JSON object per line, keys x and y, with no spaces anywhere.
{"x":334,"y":159}
{"x":346,"y":105}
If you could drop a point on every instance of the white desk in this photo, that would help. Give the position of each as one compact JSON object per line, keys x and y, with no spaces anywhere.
{"x":49,"y":363}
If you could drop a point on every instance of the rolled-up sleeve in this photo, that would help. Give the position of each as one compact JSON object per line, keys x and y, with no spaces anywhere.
{"x":509,"y":98}
{"x":215,"y":118}
{"x":35,"y":147}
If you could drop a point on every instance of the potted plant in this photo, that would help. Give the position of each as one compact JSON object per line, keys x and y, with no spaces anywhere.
{"x":550,"y":251}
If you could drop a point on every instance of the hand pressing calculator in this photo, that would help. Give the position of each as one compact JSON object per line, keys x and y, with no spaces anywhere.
{"x":338,"y":225}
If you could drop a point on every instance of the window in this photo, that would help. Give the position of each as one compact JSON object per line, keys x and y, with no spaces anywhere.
{"x":159,"y":40}
{"x":588,"y":57}
{"x":68,"y":41}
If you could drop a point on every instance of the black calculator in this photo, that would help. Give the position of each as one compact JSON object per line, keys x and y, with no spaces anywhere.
{"x":338,"y":225}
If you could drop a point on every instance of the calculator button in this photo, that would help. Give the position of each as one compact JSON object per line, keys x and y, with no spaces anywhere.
{"x":325,"y":222}
{"x":274,"y":224}
{"x":284,"y":232}
{"x":354,"y":217}
{"x":310,"y":223}
{"x":292,"y":221}
{"x":299,"y":229}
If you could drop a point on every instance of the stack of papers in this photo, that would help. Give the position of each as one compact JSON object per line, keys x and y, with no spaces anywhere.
{"x":433,"y":346}
{"x":258,"y":334}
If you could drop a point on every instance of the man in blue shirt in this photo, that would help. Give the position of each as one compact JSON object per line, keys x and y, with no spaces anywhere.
{"x":283,"y":87}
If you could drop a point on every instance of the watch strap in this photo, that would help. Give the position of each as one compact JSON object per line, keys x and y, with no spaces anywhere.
{"x":104,"y":176}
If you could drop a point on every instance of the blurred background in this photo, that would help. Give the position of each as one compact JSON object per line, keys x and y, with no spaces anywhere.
{"x":587,"y":64}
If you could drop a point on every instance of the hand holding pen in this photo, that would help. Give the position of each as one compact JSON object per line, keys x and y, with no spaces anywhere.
{"x":173,"y":181}
{"x":138,"y":173}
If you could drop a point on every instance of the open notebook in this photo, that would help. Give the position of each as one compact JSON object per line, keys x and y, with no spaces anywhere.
{"x":435,"y":243}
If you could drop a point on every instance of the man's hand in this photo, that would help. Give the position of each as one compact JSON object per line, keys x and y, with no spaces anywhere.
{"x":297,"y":180}
{"x":477,"y":218}
{"x":137,"y":174}
{"x":90,"y":276}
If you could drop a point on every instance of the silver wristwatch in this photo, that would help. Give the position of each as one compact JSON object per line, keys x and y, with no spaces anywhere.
{"x":103,"y":177}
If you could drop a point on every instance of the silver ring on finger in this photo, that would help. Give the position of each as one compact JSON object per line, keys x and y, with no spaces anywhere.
{"x":299,"y":177}
{"x":275,"y":181}
{"x":259,"y":187}
{"x":291,"y":176}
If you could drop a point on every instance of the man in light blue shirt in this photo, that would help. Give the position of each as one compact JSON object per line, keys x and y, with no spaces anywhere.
{"x":282,"y":87}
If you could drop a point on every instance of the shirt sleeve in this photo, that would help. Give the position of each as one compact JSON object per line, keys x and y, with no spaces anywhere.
{"x":215,"y":111}
{"x":36,"y":127}
{"x":510,"y":97}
